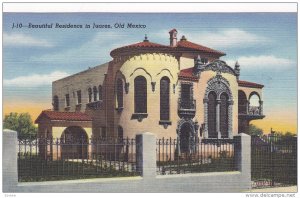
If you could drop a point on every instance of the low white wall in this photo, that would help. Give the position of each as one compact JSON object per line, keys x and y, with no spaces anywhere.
{"x":234,"y":181}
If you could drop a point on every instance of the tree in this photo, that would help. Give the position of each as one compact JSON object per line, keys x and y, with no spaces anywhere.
{"x":22,"y":123}
{"x":254,"y":130}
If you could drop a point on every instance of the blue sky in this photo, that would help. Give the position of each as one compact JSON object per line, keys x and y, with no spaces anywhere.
{"x":264,"y":43}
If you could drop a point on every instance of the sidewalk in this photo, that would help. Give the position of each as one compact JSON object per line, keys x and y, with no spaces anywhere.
{"x":287,"y":189}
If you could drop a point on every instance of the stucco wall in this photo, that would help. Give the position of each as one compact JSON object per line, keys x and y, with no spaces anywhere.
{"x":153,"y":67}
{"x":80,"y":81}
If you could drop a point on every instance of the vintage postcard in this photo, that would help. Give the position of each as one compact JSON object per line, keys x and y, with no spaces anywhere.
{"x":150,"y":97}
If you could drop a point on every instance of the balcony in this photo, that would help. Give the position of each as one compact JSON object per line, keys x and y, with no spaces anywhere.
{"x":251,"y":112}
{"x":186,"y":108}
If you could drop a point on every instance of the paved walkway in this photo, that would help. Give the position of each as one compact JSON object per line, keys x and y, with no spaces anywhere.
{"x":288,"y":189}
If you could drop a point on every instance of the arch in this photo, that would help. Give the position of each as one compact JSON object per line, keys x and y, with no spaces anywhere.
{"x":212,"y":115}
{"x":90,"y":94}
{"x":224,"y":115}
{"x":242,"y":102}
{"x":186,"y":133}
{"x":95,"y":92}
{"x":55,"y":103}
{"x":100,"y":92}
{"x":74,"y":143}
{"x":119,"y":93}
{"x":254,"y":93}
{"x":168,"y":71}
{"x":218,"y":85}
{"x":140,"y":94}
{"x":140,"y":68}
{"x":165,"y":98}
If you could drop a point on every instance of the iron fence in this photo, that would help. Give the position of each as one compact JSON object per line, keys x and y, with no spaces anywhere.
{"x":45,"y":159}
{"x":273,"y":161}
{"x":175,"y":156}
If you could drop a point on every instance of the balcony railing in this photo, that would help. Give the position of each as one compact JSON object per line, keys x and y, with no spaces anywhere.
{"x":186,"y":108}
{"x":251,"y":112}
{"x":255,"y":110}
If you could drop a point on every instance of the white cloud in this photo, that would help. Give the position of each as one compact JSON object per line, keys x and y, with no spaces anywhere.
{"x":228,"y":38}
{"x":262,"y":61}
{"x":35,"y":80}
{"x":97,"y":48}
{"x":18,"y":39}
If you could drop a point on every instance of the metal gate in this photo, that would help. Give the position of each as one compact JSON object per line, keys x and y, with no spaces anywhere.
{"x":273,"y":161}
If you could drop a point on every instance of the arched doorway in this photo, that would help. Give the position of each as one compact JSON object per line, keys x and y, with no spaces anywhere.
{"x":74,"y":143}
{"x":186,"y":134}
{"x":242,"y":102}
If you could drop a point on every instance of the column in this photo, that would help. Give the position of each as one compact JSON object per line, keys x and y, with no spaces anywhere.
{"x":242,"y":155}
{"x":218,"y":118}
{"x":146,"y":154}
{"x":205,"y":132}
{"x":261,"y":107}
{"x":247,"y":107}
{"x":230,"y":114}
{"x":9,"y":161}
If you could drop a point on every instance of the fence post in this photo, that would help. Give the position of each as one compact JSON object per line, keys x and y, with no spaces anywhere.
{"x":242,"y":153}
{"x":146,"y":154}
{"x":9,"y":160}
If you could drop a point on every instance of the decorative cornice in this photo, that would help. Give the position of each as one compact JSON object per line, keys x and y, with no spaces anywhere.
{"x":220,"y":66}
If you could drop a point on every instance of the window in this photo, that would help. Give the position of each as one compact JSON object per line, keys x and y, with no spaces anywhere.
{"x":100,"y":92}
{"x":140,"y":94}
{"x":90,"y":94}
{"x":224,"y":115}
{"x":67,"y":100}
{"x":212,"y":121}
{"x":119,"y":93}
{"x":55,"y":103}
{"x":95,"y":91}
{"x":79,"y":97}
{"x":165,"y":98}
{"x":186,"y":96}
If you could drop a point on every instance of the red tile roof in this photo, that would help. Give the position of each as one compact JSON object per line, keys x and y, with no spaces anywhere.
{"x":187,"y":74}
{"x":193,"y":46}
{"x":66,"y":116}
{"x":249,"y":84}
{"x":139,"y":46}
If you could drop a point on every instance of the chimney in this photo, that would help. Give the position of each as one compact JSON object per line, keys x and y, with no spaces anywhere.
{"x":173,"y":38}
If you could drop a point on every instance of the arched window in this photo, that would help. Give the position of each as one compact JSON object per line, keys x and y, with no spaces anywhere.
{"x":90,"y":94}
{"x":140,"y":94}
{"x":164,"y":98}
{"x":224,"y":115}
{"x":119,"y":93}
{"x":100,"y":92}
{"x":95,"y":92}
{"x":55,"y":103}
{"x":212,"y":104}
